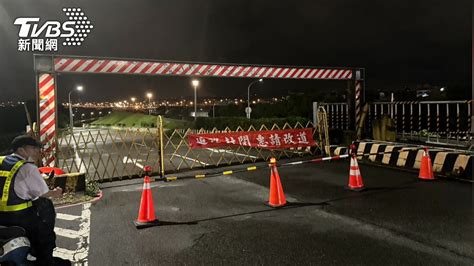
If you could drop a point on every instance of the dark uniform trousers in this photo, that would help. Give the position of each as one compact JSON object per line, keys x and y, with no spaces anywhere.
{"x":38,"y":221}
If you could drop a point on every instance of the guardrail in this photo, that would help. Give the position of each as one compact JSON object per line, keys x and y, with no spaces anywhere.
{"x":337,"y":115}
{"x":432,"y":120}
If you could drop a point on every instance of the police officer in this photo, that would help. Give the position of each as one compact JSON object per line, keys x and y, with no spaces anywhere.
{"x":25,"y":198}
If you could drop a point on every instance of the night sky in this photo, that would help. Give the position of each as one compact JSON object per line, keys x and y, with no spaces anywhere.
{"x":400,"y":44}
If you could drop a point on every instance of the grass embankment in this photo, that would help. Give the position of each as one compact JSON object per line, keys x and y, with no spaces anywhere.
{"x":128,"y":119}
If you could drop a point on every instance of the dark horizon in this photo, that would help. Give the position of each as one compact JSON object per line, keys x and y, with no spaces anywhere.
{"x":399,"y":45}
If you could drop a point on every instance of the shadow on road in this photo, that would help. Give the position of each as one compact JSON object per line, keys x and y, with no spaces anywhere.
{"x":373,"y":191}
{"x":165,"y":223}
{"x":292,"y":205}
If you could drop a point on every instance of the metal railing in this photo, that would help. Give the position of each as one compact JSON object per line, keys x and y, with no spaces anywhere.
{"x":106,"y":154}
{"x":433,"y":120}
{"x":179,"y":156}
{"x":337,"y":115}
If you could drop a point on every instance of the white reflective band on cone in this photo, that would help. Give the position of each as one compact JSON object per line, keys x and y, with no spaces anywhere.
{"x":146,"y":186}
{"x":355,"y":172}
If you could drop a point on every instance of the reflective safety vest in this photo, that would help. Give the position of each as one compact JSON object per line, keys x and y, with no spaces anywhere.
{"x":10,"y":202}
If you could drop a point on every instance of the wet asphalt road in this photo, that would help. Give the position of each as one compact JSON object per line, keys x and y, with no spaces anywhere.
{"x":222,"y":220}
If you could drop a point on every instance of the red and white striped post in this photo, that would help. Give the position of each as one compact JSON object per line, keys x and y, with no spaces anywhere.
{"x":47,"y":117}
{"x":358,"y":96}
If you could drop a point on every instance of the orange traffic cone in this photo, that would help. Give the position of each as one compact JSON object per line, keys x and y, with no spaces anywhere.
{"x":355,"y":178}
{"x":426,"y":170}
{"x":277,"y":196}
{"x":146,"y":214}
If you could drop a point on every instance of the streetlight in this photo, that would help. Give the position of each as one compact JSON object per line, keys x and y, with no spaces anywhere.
{"x":71,"y":122}
{"x":248,"y":110}
{"x":149,"y":95}
{"x":195,"y":83}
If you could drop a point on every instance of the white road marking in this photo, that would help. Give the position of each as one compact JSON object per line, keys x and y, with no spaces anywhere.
{"x":72,"y":255}
{"x":191,"y":159}
{"x":69,"y":233}
{"x":231,"y":152}
{"x":78,"y":256}
{"x":67,"y":217}
{"x":78,"y":161}
{"x":134,"y":161}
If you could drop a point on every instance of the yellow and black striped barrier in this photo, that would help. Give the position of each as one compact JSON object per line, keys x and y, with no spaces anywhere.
{"x":448,"y":162}
{"x":445,"y":162}
{"x":253,"y":168}
{"x":227,"y":172}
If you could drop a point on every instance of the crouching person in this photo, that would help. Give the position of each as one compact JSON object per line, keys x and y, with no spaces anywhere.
{"x":26,"y":199}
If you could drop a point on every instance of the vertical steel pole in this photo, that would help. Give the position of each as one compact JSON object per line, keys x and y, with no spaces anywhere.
{"x":447,"y":121}
{"x":315,"y":114}
{"x":411,"y":119}
{"x":428,"y":125}
{"x":458,"y":121}
{"x":437,"y":122}
{"x":162,"y":156}
{"x":403,"y":118}
{"x":469,"y":122}
{"x":419,"y":119}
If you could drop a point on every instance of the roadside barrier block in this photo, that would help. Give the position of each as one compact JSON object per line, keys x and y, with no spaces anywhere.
{"x":445,"y":162}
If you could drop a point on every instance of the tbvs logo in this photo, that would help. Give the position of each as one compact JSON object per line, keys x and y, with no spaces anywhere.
{"x":51,"y":29}
{"x":35,"y":35}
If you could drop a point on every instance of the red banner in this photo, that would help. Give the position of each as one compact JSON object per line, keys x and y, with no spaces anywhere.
{"x":268,"y":139}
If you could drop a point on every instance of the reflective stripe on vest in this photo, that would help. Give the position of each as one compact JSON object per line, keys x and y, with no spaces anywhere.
{"x":6,"y":189}
{"x":17,"y":207}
